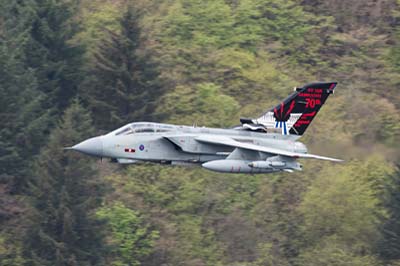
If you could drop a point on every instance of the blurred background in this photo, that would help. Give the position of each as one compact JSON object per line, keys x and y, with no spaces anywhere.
{"x":72,"y":69}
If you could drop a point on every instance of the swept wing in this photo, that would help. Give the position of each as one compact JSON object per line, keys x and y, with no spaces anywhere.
{"x":248,"y":146}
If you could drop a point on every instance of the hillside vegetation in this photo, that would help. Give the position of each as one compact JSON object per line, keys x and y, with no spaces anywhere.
{"x":72,"y":69}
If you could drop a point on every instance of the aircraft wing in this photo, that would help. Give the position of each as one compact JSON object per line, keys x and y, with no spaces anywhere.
{"x":248,"y":146}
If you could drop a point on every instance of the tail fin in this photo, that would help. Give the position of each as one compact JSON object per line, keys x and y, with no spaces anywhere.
{"x":295,"y":113}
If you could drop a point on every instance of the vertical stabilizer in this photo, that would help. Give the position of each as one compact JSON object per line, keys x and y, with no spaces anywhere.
{"x":295,"y":113}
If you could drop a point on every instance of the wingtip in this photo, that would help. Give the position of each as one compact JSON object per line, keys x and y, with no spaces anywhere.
{"x":336,"y":160}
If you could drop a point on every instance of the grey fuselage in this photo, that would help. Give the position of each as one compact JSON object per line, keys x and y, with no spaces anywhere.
{"x":165,"y":143}
{"x":252,"y":147}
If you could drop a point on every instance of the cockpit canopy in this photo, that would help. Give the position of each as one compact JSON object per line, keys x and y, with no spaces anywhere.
{"x":141,"y":127}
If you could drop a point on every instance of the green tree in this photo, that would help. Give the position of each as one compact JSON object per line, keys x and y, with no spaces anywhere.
{"x":62,"y":229}
{"x":389,"y":245}
{"x":333,"y":253}
{"x":39,"y":77}
{"x":16,"y":88}
{"x":19,"y":113}
{"x":276,"y":215}
{"x":344,"y":203}
{"x":199,"y":23}
{"x":97,"y":15}
{"x":131,"y":239}
{"x":10,"y":252}
{"x":121,"y":85}
{"x":203,"y":105}
{"x":50,"y":51}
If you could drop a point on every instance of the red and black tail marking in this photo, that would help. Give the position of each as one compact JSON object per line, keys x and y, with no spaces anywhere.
{"x":309,"y":101}
{"x":295,"y":113}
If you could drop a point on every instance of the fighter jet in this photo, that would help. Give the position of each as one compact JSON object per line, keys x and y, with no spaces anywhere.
{"x":265,"y":144}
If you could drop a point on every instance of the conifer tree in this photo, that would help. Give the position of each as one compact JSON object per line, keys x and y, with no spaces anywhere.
{"x":121,"y":85}
{"x":40,"y":74}
{"x":62,"y":228}
{"x":21,"y":115}
{"x":50,"y":51}
{"x":15,"y":83}
{"x":389,"y":246}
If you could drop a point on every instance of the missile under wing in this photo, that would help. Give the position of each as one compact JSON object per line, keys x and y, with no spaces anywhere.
{"x":262,"y":145}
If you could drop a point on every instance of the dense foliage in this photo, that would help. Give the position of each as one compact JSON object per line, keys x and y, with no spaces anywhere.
{"x":71,"y":69}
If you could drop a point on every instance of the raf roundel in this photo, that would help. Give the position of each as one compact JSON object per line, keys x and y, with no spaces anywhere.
{"x":251,"y":147}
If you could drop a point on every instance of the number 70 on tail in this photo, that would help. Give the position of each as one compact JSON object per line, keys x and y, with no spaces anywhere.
{"x":266,"y":144}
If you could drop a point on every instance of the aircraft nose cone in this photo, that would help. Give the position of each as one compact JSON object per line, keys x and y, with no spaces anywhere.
{"x":92,"y":146}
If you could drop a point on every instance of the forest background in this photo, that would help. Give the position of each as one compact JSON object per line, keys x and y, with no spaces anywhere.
{"x":73,"y":69}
